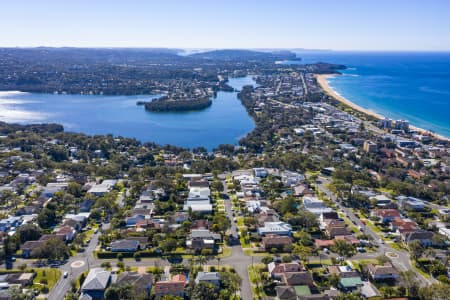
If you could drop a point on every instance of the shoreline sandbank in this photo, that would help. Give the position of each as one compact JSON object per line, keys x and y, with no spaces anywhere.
{"x":322,"y":80}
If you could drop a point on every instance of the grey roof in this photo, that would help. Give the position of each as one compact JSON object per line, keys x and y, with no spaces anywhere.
{"x":204,"y":233}
{"x":207,"y":276}
{"x":286,"y":292}
{"x":97,"y":279}
{"x":85,"y":297}
{"x":125,"y":244}
{"x":135,"y":279}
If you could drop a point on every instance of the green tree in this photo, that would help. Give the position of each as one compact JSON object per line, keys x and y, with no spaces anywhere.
{"x":415,"y":249}
{"x":409,"y":282}
{"x":46,"y":218}
{"x":437,"y":291}
{"x":53,"y":249}
{"x":217,"y":185}
{"x":29,"y":232}
{"x":168,"y":245}
{"x":204,"y":291}
{"x":120,"y":292}
{"x":230,"y":281}
{"x":343,"y":248}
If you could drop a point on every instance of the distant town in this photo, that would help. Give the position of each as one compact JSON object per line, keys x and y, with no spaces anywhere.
{"x":320,"y":201}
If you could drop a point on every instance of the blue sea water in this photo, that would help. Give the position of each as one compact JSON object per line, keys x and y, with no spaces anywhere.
{"x":400,"y":85}
{"x":224,"y":122}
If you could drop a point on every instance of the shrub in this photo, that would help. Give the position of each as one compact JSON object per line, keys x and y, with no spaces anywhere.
{"x":286,"y":259}
{"x":137,"y":256}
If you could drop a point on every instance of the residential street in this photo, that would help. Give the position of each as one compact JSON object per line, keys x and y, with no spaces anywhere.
{"x":401,"y":259}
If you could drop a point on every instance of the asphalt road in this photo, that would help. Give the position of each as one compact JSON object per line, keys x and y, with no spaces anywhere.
{"x":86,"y":260}
{"x":402,"y":260}
{"x":238,"y":260}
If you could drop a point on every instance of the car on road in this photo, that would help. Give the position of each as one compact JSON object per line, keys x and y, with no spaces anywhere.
{"x":66,"y":274}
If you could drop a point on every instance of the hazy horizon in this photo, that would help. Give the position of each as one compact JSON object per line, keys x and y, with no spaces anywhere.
{"x":347,"y":25}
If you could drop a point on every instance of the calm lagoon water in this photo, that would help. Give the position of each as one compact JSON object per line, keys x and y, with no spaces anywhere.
{"x":224,"y":122}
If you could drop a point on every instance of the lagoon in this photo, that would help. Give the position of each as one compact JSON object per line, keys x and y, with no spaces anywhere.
{"x":224,"y":122}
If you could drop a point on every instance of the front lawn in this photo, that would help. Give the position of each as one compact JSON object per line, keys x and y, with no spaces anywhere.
{"x":46,"y":276}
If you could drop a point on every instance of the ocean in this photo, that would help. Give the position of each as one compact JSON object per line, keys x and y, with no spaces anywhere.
{"x":400,"y":85}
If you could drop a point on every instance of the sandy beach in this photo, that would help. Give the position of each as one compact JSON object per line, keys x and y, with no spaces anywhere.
{"x":323,"y":82}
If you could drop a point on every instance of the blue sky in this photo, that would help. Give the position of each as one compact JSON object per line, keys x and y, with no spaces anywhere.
{"x":312,"y":24}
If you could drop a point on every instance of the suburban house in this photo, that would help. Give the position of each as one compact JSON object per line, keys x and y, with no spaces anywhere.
{"x":96,"y":283}
{"x":403,"y":225}
{"x":342,"y":271}
{"x":200,"y":206}
{"x":28,"y":247}
{"x":202,"y":239}
{"x":260,"y":172}
{"x":315,"y":206}
{"x":328,"y":243}
{"x":423,"y":236}
{"x":68,"y":232}
{"x":133,"y":220}
{"x":290,"y":178}
{"x":275,"y":228}
{"x":10,"y":222}
{"x":386,"y":215}
{"x":298,"y":278}
{"x":174,"y":287}
{"x":286,"y":293}
{"x":209,"y":277}
{"x":100,"y":189}
{"x":140,"y":282}
{"x":268,"y":215}
{"x":348,"y":284}
{"x":382,"y":272}
{"x":22,"y":279}
{"x":303,"y":190}
{"x":414,"y":204}
{"x":125,"y":246}
{"x":335,"y":228}
{"x":163,"y":288}
{"x":275,"y":241}
{"x":277,"y":270}
{"x":326,"y":217}
{"x":380,"y":200}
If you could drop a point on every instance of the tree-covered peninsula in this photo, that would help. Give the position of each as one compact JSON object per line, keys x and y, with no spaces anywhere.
{"x":169,"y":104}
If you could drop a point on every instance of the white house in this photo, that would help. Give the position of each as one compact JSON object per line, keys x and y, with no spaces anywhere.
{"x":315,"y":206}
{"x":278,"y":228}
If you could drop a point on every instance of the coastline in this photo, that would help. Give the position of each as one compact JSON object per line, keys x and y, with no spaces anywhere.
{"x":322,"y":80}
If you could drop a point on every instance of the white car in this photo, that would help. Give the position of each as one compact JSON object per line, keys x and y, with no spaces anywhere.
{"x":66,"y":274}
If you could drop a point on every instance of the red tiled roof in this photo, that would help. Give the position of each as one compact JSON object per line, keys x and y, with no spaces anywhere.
{"x":386,"y":213}
{"x":179,"y":278}
{"x":169,"y":287}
